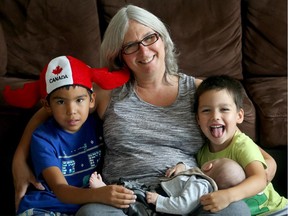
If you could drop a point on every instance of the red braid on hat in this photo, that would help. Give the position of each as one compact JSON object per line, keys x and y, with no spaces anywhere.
{"x":62,"y":71}
{"x":112,"y":79}
{"x":25,"y":97}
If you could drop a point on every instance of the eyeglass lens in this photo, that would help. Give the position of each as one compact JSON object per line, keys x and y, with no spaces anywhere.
{"x":134,"y":47}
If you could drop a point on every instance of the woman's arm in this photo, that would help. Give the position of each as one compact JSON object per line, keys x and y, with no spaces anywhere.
{"x":198,"y":82}
{"x":102,"y":100}
{"x":21,"y":171}
{"x":271,"y":165}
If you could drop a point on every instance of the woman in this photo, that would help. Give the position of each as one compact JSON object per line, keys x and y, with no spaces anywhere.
{"x":148,"y":123}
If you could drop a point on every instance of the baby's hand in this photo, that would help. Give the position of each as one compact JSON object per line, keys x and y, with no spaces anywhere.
{"x":151,"y":197}
{"x":180,"y":167}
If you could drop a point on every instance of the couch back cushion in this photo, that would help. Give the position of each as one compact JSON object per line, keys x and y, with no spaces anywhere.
{"x":265,"y":38}
{"x":207,"y":33}
{"x":3,"y":52}
{"x":37,"y":31}
{"x":269,"y":95}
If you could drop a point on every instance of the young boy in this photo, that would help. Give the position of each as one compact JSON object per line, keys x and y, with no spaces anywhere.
{"x":66,"y":149}
{"x":218,"y":107}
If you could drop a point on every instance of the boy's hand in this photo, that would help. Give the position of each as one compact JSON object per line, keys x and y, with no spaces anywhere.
{"x":215,"y":201}
{"x":117,"y":196}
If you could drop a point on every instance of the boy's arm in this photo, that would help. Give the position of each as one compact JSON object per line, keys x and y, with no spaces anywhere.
{"x":22,"y":174}
{"x":114,"y":195}
{"x":254,"y":183}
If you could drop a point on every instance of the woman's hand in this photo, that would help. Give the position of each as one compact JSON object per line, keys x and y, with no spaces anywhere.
{"x":23,"y":177}
{"x":21,"y":171}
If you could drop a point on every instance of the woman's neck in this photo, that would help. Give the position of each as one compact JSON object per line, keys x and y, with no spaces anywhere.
{"x":158,"y":92}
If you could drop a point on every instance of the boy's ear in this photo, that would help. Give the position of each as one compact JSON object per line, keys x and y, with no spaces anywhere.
{"x":240,"y":117}
{"x":46,"y":105}
{"x":92,"y":100}
{"x":197,"y":118}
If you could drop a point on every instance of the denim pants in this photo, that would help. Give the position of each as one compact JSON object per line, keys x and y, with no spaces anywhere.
{"x":94,"y":209}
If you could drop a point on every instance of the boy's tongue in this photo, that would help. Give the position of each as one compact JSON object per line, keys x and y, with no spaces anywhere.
{"x":217,"y":131}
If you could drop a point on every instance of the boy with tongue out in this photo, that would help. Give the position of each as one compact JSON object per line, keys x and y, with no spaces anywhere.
{"x":219,"y":108}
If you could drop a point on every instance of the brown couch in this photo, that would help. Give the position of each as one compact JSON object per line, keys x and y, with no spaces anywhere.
{"x":244,"y":39}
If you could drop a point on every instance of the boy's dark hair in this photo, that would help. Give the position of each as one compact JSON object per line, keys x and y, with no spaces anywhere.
{"x":67,"y":88}
{"x":218,"y":83}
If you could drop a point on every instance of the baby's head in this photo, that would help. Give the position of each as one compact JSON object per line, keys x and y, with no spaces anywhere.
{"x":224,"y":171}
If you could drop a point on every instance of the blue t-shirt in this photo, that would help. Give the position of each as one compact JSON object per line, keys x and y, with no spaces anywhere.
{"x":76,"y":155}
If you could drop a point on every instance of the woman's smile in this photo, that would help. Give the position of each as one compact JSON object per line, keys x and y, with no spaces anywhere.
{"x":147,"y":60}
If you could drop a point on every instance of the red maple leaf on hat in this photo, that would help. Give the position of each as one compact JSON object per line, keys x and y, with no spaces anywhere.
{"x":57,"y":70}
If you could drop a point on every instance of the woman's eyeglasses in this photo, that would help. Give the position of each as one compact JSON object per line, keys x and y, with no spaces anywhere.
{"x":146,"y":41}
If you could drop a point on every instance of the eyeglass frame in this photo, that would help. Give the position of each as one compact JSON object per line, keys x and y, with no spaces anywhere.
{"x":140,"y":42}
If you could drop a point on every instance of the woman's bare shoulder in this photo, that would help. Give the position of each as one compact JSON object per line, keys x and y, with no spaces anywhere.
{"x":198,"y":82}
{"x":102,"y":100}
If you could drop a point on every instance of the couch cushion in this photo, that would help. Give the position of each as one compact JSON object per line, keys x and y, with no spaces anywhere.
{"x":248,"y":126}
{"x":265,"y":41}
{"x":37,"y":31}
{"x":270,"y":98}
{"x":3,"y":51}
{"x":207,"y":33}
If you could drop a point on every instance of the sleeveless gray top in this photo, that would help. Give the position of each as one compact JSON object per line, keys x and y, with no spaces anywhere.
{"x":143,"y":140}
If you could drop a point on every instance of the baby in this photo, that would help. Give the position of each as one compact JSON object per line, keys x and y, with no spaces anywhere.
{"x":184,"y":189}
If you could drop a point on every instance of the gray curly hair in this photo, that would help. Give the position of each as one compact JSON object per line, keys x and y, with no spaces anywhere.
{"x":114,"y":36}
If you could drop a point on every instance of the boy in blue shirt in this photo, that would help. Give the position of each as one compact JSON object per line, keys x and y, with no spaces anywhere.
{"x":66,"y":149}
